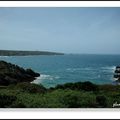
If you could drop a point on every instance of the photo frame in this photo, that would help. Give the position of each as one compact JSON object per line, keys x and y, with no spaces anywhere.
{"x":72,"y":112}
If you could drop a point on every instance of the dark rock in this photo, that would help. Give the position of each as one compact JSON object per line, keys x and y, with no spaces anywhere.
{"x":118,"y":80}
{"x":117,"y":67}
{"x":117,"y":75}
{"x":32,"y":73}
{"x":117,"y":71}
{"x":12,"y":74}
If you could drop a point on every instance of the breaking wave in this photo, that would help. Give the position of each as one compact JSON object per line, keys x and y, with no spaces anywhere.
{"x":45,"y":77}
{"x":108,"y":68}
{"x":79,"y":69}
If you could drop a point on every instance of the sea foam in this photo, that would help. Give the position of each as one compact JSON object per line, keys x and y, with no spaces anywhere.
{"x":45,"y":77}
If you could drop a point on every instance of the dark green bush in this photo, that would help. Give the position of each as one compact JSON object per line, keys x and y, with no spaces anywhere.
{"x":6,"y":100}
{"x":77,"y":99}
{"x":71,"y":101}
{"x":109,"y":88}
{"x":86,"y":86}
{"x":17,"y":104}
{"x":31,"y":88}
{"x":102,"y":101}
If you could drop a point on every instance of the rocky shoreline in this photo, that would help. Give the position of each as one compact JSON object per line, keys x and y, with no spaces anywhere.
{"x":12,"y":74}
{"x":117,"y":75}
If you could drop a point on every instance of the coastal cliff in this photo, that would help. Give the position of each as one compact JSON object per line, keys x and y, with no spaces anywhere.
{"x":11,"y":74}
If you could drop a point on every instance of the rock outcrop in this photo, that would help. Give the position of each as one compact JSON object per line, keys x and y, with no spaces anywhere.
{"x":12,"y":74}
{"x":117,"y":74}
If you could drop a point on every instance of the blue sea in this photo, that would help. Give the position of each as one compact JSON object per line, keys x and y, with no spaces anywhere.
{"x":60,"y":69}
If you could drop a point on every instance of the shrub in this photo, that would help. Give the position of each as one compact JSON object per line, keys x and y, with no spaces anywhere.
{"x":86,"y":86}
{"x":6,"y":100}
{"x":71,"y":101}
{"x":17,"y":104}
{"x":30,"y":87}
{"x":101,"y":100}
{"x":77,"y":99}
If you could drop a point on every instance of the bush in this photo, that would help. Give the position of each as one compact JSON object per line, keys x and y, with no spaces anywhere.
{"x":86,"y":86}
{"x":6,"y":100}
{"x":77,"y":99}
{"x":30,"y":87}
{"x":71,"y":101}
{"x":102,"y":101}
{"x":17,"y":104}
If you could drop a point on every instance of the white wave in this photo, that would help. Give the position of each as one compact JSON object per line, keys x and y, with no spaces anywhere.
{"x":105,"y":69}
{"x":78,"y":69}
{"x":69,"y":69}
{"x":109,"y":67}
{"x":88,"y":68}
{"x":73,"y":69}
{"x":45,"y":77}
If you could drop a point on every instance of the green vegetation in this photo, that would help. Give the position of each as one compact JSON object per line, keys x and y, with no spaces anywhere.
{"x":16,"y":91}
{"x":87,"y":86}
{"x":24,"y":53}
{"x":70,"y":95}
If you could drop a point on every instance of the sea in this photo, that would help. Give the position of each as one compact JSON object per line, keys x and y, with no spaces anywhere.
{"x":60,"y":69}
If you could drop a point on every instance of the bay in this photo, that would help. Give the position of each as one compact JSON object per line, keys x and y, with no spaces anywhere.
{"x":60,"y":69}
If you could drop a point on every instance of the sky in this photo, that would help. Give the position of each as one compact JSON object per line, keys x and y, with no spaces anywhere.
{"x":68,"y":30}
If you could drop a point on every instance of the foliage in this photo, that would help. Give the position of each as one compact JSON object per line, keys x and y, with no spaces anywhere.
{"x":28,"y":95}
{"x":29,"y":87}
{"x":86,"y":86}
{"x":101,"y":100}
{"x":6,"y":100}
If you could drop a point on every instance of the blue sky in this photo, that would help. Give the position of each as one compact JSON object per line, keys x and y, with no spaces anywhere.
{"x":68,"y":30}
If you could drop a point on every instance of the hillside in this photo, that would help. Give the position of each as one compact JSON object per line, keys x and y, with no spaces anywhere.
{"x":25,"y":53}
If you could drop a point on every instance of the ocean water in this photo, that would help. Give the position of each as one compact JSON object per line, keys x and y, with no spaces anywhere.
{"x":62,"y":69}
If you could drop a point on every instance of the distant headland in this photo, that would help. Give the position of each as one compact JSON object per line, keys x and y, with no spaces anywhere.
{"x":26,"y":53}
